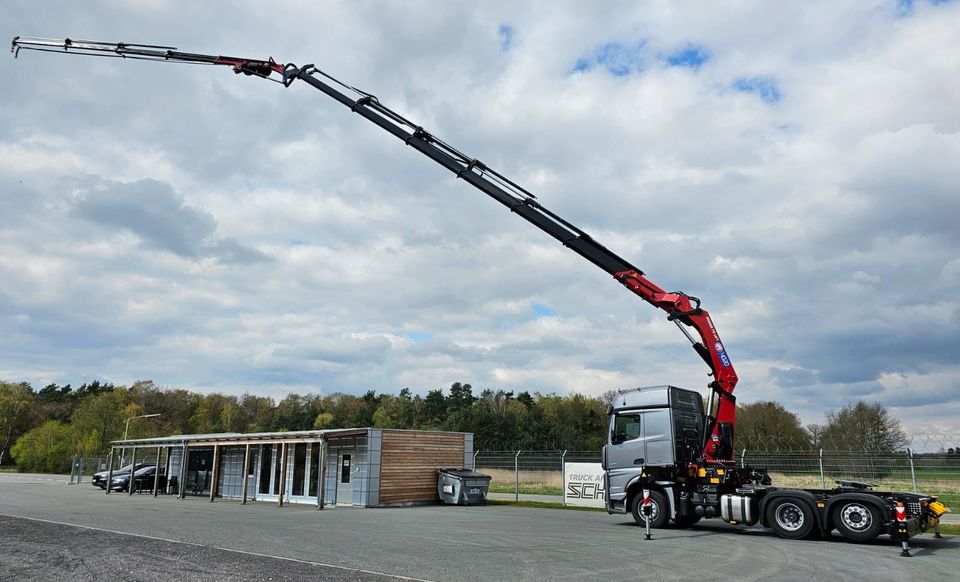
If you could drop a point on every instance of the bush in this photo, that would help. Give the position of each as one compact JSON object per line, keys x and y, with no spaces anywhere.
{"x":44,"y":449}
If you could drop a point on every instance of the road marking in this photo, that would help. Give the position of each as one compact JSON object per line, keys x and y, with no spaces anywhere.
{"x":310,"y":562}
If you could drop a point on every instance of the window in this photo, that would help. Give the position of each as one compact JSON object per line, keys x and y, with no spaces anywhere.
{"x":276,"y":469}
{"x":314,"y":467}
{"x":265,"y":463}
{"x":345,"y":469}
{"x":626,"y":427}
{"x":299,"y":467}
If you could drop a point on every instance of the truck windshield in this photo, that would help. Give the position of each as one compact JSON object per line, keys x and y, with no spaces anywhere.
{"x":626,"y":427}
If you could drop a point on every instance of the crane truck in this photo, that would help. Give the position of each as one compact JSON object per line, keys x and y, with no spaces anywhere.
{"x":668,"y":457}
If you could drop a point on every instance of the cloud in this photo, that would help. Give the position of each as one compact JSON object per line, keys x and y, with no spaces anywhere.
{"x":162,"y":220}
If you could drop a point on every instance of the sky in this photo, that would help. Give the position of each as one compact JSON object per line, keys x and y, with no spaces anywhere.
{"x":794,"y":165}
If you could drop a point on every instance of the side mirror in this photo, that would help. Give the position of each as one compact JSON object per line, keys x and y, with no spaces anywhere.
{"x":618,"y":438}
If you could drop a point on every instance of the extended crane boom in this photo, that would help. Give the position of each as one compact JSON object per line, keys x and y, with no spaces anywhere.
{"x":682,"y":309}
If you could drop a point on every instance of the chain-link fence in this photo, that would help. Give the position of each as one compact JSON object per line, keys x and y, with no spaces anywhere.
{"x":933,"y":467}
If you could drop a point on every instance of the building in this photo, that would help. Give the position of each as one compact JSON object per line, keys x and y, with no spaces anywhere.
{"x":361,"y":467}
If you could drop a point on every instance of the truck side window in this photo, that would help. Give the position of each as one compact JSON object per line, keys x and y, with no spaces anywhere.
{"x":626,"y":427}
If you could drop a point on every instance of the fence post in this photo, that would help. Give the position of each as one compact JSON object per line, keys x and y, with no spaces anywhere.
{"x":475,"y":453}
{"x":516,"y":477}
{"x":823,"y":483}
{"x":563,"y":474}
{"x":913,"y":473}
{"x":80,"y":471}
{"x":73,"y":466}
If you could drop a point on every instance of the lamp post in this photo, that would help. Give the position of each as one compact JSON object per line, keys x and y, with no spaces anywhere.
{"x":126,"y":429}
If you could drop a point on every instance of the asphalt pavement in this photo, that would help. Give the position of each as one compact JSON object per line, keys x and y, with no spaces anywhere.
{"x":147,"y":538}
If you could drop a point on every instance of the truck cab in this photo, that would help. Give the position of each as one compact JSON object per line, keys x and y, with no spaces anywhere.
{"x":652,"y":432}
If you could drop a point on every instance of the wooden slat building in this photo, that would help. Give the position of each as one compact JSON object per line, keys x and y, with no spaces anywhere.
{"x":365,"y":467}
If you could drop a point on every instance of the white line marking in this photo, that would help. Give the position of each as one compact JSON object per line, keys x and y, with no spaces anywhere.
{"x":310,"y":562}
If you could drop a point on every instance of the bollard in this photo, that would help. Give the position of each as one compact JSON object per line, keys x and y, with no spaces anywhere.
{"x":743,"y":454}
{"x":901,"y":514}
{"x":647,"y":512}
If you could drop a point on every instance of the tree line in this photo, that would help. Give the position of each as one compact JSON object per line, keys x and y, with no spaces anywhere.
{"x":40,"y":430}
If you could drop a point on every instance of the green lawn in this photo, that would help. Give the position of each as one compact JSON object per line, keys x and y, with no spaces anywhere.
{"x":528,"y":489}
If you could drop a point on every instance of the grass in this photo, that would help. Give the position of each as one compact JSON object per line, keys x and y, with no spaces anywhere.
{"x":542,"y":505}
{"x":502,"y":488}
{"x":531,"y":482}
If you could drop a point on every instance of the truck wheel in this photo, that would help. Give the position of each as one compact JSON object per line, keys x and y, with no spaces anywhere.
{"x":857,"y":522}
{"x":660,"y":512}
{"x":790,"y":518}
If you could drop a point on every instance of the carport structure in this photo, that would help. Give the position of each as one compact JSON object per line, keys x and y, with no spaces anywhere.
{"x":364,"y":467}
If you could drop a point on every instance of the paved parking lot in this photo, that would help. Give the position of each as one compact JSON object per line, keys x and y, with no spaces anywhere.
{"x":225,"y":540}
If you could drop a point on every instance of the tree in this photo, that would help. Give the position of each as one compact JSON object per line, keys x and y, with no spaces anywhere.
{"x":44,"y":449}
{"x":16,"y":404}
{"x":769,"y":424}
{"x":864,"y":427}
{"x":434,"y":408}
{"x":98,"y":420}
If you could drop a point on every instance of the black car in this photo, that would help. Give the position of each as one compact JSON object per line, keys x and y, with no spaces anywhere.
{"x":100,"y":479}
{"x":143,"y":479}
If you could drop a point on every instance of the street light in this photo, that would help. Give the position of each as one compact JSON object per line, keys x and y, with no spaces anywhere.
{"x":127,"y":428}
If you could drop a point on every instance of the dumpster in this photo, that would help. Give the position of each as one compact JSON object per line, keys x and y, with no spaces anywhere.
{"x":462,"y":486}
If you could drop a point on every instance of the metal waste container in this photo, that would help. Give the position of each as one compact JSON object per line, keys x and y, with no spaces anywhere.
{"x":462,"y":486}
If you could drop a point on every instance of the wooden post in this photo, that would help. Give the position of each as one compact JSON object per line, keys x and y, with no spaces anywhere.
{"x":283,"y":472}
{"x":133,"y":467}
{"x":216,"y":472}
{"x":109,"y":470}
{"x":246,"y":473}
{"x":156,"y":473}
{"x":321,"y":458}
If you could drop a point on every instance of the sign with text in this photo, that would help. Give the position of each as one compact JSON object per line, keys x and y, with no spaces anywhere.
{"x":583,"y":484}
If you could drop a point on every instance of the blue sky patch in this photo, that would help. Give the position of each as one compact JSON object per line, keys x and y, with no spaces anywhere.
{"x":905,"y":7}
{"x":543,"y":310}
{"x":764,"y":87}
{"x":419,"y":337}
{"x":505,"y":32}
{"x":690,"y":56}
{"x":618,"y":59}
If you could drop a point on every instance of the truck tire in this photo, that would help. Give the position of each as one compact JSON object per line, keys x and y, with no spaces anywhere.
{"x":790,"y":518}
{"x":660,"y":510}
{"x":857,"y":521}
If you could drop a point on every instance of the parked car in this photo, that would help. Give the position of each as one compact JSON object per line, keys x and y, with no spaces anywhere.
{"x":100,"y":479}
{"x":142,"y":479}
